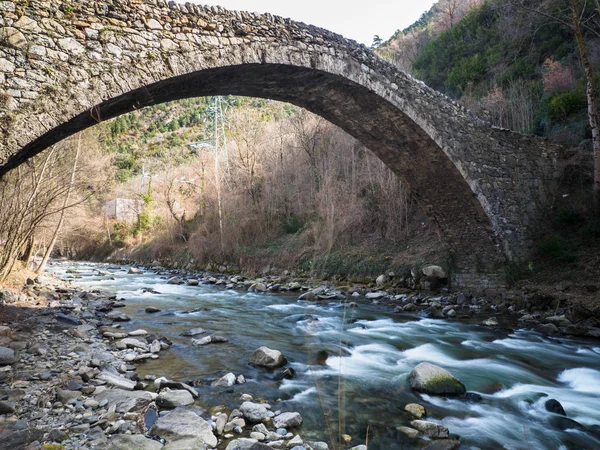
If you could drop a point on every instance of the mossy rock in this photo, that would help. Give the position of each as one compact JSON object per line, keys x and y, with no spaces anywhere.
{"x":431,"y":379}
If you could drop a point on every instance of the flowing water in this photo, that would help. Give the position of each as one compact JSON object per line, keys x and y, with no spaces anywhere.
{"x":362,"y":387}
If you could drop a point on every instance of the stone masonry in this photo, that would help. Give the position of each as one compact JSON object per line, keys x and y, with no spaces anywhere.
{"x":67,"y":65}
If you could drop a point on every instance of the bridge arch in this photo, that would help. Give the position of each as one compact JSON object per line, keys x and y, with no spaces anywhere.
{"x":63,"y":71}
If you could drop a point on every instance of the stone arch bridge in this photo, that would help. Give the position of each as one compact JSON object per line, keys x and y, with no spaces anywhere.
{"x":67,"y":65}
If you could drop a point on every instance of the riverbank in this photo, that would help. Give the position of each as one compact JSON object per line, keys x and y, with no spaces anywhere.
{"x":68,"y":381}
{"x":75,"y":355}
{"x":564,"y":309}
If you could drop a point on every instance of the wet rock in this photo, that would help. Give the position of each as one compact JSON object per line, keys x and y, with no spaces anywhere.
{"x":415,"y":410}
{"x":150,"y":417}
{"x":430,"y":429}
{"x":118,"y":316}
{"x":266,"y":357}
{"x":181,"y":424}
{"x":491,"y":322}
{"x":375,"y":295}
{"x":131,"y":442}
{"x":135,"y":271}
{"x":434,"y":380}
{"x":194,"y":332}
{"x":410,"y":432}
{"x":435,"y":313}
{"x":226,"y":380}
{"x":287,"y":420}
{"x":443,"y":444}
{"x":209,"y":340}
{"x":8,"y":356}
{"x":175,"y":280}
{"x":564,"y":423}
{"x":125,"y":401}
{"x":254,"y":412}
{"x":555,"y":407}
{"x":175,"y":398}
{"x":152,"y":310}
{"x":547,"y":328}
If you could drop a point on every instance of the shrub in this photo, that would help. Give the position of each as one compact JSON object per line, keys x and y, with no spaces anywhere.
{"x":565,"y":104}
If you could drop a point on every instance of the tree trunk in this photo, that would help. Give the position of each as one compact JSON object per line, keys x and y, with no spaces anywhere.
{"x":592,"y":100}
{"x":62,"y":213}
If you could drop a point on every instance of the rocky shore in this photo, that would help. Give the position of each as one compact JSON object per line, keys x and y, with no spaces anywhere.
{"x":68,"y":369}
{"x":551,"y":312}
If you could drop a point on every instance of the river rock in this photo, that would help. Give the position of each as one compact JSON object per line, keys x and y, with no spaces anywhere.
{"x":410,"y":432}
{"x":431,"y":379}
{"x":135,"y":271}
{"x":116,"y":380}
{"x":254,"y":412}
{"x":444,"y":444}
{"x":375,"y":295}
{"x":430,"y":429}
{"x":433,"y":271}
{"x":547,"y":328}
{"x":226,"y":380}
{"x":7,"y":407}
{"x":152,"y":310}
{"x":125,"y":401}
{"x":130,"y":442}
{"x":175,"y":280}
{"x":8,"y":356}
{"x":266,"y":357}
{"x":118,"y":316}
{"x":416,"y":410}
{"x":194,"y":332}
{"x":181,"y":424}
{"x":186,"y":444}
{"x":247,"y":444}
{"x":174,"y":398}
{"x":491,"y":322}
{"x":288,"y":420}
{"x":555,"y":407}
{"x":381,"y":280}
{"x":162,"y":382}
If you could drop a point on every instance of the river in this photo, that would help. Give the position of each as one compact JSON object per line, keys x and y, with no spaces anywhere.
{"x":362,"y":387}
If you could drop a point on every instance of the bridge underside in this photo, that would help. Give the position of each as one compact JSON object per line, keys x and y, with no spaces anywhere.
{"x":432,"y":178}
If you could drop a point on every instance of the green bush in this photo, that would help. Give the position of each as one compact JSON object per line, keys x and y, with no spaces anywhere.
{"x":292,"y":224}
{"x":564,"y":104}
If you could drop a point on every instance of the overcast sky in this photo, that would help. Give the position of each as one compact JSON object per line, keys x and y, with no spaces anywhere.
{"x":358,"y":20}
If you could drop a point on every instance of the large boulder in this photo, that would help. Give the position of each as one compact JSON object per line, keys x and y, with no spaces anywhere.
{"x":266,"y":357}
{"x":125,"y":401}
{"x":174,"y":398}
{"x":184,"y":424}
{"x":431,"y":379}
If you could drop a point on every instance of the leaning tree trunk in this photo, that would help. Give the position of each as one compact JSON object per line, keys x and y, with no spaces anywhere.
{"x":62,"y":212}
{"x":592,"y":101}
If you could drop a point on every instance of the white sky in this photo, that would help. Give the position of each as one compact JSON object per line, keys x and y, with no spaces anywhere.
{"x":358,"y":20}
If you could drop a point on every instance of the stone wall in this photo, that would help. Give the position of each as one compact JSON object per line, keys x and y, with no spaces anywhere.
{"x":65,"y":66}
